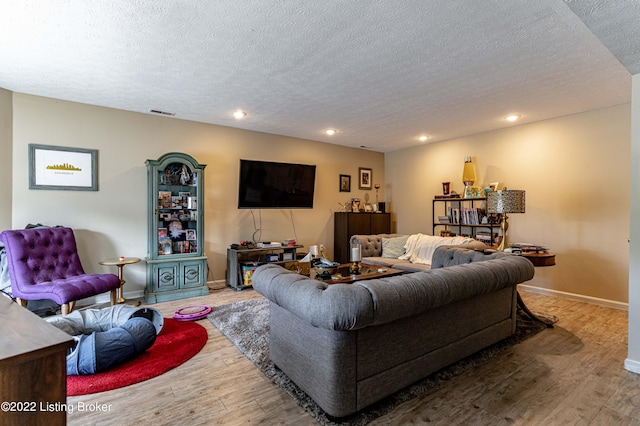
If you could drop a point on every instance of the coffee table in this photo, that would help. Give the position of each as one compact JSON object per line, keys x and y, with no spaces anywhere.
{"x":367,"y":272}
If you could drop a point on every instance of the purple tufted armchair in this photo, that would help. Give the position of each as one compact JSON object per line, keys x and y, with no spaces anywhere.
{"x":43,"y":263}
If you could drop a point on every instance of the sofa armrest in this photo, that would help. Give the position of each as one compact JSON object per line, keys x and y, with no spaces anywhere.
{"x":446,"y":256}
{"x":333,"y":307}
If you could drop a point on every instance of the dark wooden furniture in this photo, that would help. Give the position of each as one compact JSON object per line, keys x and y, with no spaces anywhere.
{"x":364,"y":223}
{"x":33,"y":374}
{"x":541,"y":259}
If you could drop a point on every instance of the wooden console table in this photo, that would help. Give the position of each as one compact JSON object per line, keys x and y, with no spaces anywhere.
{"x":33,"y":372}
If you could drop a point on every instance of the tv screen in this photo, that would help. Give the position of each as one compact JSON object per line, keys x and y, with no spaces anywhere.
{"x":269,"y":185}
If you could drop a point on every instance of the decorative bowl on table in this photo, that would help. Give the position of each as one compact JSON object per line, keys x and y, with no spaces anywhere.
{"x":325,"y":270}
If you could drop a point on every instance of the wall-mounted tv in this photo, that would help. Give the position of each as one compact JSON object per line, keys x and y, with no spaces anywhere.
{"x":270,"y":185}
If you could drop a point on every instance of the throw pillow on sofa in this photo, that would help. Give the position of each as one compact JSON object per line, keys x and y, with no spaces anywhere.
{"x":393,"y":247}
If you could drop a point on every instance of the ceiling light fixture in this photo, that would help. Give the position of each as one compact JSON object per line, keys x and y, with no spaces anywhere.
{"x":423,"y":138}
{"x":331,"y":132}
{"x":239,"y":115}
{"x":512,"y":117}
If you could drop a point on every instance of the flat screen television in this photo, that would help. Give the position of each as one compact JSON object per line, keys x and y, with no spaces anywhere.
{"x":270,"y":185}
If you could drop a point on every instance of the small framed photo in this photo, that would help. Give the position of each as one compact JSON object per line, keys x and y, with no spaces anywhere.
{"x":191,"y":234}
{"x":355,"y":205}
{"x":345,"y":183}
{"x":162,"y":233}
{"x":364,"y":181}
{"x":164,"y":246}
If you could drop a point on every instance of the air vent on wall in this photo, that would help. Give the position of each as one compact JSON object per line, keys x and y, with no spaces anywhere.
{"x":157,"y":111}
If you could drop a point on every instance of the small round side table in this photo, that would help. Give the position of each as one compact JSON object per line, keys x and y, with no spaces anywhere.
{"x":541,"y":259}
{"x":120,"y":262}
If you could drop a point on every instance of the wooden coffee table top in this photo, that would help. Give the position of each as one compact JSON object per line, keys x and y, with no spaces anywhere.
{"x":367,"y":272}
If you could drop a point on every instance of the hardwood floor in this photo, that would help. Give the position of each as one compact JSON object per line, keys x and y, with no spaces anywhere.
{"x":571,"y":374}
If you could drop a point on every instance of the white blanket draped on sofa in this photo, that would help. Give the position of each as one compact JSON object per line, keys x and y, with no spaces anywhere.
{"x":420,"y":247}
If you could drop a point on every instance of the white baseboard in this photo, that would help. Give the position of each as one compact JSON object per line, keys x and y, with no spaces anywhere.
{"x":632,"y":365}
{"x":579,"y":297}
{"x":105,"y":298}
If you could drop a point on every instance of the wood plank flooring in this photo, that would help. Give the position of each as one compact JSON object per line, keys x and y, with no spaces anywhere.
{"x":570,"y":375}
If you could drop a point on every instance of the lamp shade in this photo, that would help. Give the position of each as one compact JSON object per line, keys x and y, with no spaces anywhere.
{"x":468,"y":172}
{"x":505,"y":201}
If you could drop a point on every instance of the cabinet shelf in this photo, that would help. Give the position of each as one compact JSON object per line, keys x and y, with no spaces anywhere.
{"x":466,"y":217}
{"x":239,"y":278}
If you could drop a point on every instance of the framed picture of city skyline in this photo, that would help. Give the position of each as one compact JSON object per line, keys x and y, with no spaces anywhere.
{"x":63,"y":168}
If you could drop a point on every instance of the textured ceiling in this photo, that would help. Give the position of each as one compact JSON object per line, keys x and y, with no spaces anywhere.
{"x":382,"y":72}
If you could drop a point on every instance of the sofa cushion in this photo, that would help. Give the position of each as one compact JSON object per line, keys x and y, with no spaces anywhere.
{"x":381,"y":261}
{"x":405,"y":265}
{"x":394,"y":247}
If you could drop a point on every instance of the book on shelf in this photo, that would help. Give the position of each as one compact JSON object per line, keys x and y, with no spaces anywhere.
{"x":529,"y":248}
{"x":466,"y":216}
{"x":444,"y":219}
{"x":488,"y":238}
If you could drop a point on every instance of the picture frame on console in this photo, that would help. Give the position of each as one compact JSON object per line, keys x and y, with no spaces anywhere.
{"x":364,"y":178}
{"x":345,"y":183}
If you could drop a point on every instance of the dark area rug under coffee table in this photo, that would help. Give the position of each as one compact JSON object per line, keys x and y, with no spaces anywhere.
{"x":246,"y":325}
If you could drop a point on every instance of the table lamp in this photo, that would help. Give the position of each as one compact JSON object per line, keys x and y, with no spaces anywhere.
{"x":468,"y":176}
{"x":503,"y":202}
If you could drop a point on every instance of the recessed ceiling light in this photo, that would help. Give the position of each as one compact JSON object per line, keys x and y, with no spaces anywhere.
{"x":331,"y":132}
{"x":423,"y":138}
{"x":239,"y":115}
{"x":512,"y":117}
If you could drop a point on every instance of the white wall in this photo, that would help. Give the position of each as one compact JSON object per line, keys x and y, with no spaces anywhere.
{"x":6,"y":138}
{"x":575,"y":171}
{"x":112,"y":221}
{"x":633,"y":358}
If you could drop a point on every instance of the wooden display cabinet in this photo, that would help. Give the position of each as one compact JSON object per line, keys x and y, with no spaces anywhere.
{"x":176,"y":263}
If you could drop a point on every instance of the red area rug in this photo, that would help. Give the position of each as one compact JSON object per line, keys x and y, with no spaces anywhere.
{"x":177,"y":342}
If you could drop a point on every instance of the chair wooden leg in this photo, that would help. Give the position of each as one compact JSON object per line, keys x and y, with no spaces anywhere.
{"x":21,"y":302}
{"x":113,"y":297}
{"x":66,"y":308}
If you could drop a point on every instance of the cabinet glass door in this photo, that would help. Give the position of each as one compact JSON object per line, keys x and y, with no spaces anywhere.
{"x":177,"y":210}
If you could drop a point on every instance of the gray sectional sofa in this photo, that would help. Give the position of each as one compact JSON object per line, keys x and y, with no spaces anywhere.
{"x":350,"y":345}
